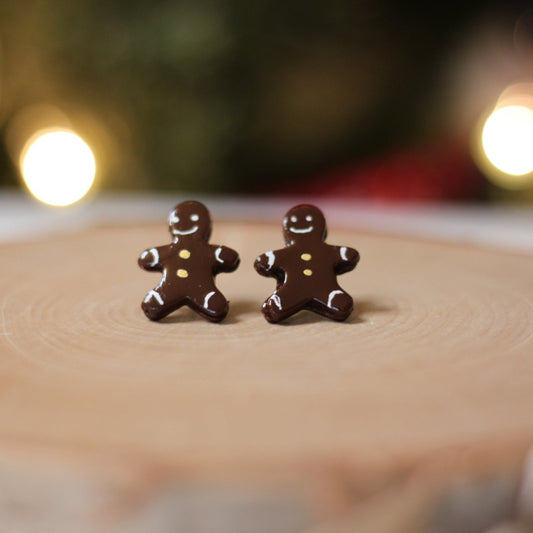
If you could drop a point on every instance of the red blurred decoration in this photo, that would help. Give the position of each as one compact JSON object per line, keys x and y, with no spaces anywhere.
{"x":437,"y":173}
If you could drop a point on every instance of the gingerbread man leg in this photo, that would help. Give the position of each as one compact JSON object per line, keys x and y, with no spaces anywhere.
{"x":212,"y":304}
{"x":280,"y":305}
{"x":155,"y":307}
{"x":336,"y":304}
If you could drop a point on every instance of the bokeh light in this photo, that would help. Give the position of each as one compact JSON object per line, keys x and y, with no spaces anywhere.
{"x":507,"y":141}
{"x":58,"y":167}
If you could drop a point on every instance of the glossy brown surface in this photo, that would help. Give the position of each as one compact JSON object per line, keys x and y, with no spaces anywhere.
{"x":306,"y":269}
{"x":189,"y":265}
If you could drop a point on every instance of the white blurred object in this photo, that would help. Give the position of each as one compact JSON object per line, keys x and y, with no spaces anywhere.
{"x":507,"y":140}
{"x":58,"y":167}
{"x":498,"y":227}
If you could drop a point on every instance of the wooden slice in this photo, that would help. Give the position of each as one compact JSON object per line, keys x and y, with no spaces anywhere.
{"x":436,"y":358}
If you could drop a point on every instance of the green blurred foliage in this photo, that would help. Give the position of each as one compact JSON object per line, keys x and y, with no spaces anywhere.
{"x":221,"y":95}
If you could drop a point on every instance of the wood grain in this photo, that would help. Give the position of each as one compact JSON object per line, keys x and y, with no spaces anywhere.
{"x":436,"y":359}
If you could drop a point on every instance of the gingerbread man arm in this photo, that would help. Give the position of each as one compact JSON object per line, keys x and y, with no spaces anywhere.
{"x":267,"y":264}
{"x":347,"y":259}
{"x":227,"y":259}
{"x":150,"y":259}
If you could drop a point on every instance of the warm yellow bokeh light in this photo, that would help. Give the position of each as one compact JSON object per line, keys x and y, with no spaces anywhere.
{"x":507,"y":141}
{"x":58,"y":167}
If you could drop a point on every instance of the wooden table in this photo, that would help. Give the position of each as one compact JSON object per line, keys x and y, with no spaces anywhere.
{"x":109,"y":422}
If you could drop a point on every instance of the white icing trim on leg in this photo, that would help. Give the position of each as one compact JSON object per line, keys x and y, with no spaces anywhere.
{"x":156,"y":295}
{"x":332,"y":295}
{"x":276,"y":300}
{"x":207,"y":298}
{"x":271,"y":258}
{"x":343,"y":253}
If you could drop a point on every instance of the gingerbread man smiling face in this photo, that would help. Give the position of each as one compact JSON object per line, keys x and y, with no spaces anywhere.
{"x":189,"y":265}
{"x":303,"y":222}
{"x":190,"y":220}
{"x":306,"y":269}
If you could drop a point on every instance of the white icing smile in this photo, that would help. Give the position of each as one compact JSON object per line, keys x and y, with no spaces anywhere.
{"x":303,"y":230}
{"x":184,"y":232}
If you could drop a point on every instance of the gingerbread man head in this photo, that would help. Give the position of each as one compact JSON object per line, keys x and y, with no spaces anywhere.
{"x":304,"y":222}
{"x":190,"y":220}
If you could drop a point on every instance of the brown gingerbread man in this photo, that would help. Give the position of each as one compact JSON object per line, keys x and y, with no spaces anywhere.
{"x":306,"y":269}
{"x":189,"y":264}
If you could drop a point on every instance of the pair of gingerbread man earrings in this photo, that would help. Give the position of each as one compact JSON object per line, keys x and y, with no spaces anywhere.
{"x":306,"y":269}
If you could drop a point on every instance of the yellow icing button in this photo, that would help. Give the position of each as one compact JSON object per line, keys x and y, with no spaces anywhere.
{"x":308,"y":272}
{"x":182,"y":273}
{"x":306,"y":257}
{"x":184,"y":254}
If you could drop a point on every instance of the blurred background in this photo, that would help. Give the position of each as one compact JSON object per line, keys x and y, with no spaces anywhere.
{"x":378,"y":100}
{"x":365,"y":101}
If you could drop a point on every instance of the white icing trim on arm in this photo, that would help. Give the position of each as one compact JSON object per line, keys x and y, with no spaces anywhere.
{"x":343,"y":253}
{"x":154,"y":253}
{"x":217,"y":254}
{"x":271,"y":258}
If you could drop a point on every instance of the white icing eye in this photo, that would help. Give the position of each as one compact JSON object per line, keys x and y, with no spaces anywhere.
{"x":174,"y":218}
{"x":308,"y":218}
{"x":293,"y":218}
{"x":194,"y":218}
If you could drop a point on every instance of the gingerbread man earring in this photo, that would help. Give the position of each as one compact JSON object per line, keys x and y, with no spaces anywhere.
{"x":189,"y":264}
{"x":306,"y":269}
